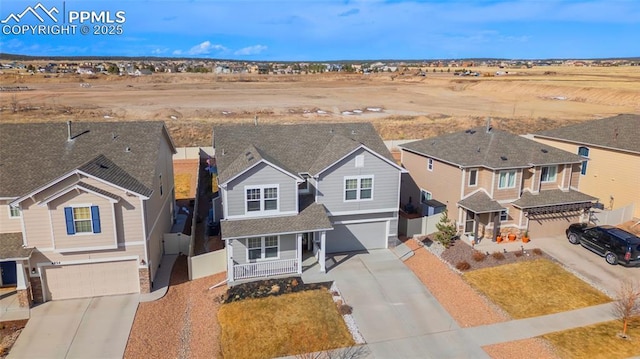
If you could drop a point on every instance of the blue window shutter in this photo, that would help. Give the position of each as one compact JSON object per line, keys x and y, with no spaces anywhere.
{"x":68,"y":216}
{"x":95,"y":218}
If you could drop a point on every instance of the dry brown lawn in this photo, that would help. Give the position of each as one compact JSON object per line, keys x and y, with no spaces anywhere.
{"x":289,"y":324}
{"x":526,"y":100}
{"x":534,"y":288}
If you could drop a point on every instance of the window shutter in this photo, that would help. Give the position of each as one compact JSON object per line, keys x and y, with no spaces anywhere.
{"x":68,"y":216}
{"x":95,"y":218}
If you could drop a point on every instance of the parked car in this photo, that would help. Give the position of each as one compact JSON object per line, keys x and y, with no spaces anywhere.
{"x":614,"y":244}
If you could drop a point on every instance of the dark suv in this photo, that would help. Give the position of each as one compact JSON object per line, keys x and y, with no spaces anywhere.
{"x":614,"y":244}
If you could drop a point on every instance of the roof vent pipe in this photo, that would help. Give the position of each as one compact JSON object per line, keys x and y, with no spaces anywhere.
{"x":69,"y":131}
{"x":255,"y":120}
{"x":489,"y":125}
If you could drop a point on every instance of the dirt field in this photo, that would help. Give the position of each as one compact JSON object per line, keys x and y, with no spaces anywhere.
{"x":401,"y":106}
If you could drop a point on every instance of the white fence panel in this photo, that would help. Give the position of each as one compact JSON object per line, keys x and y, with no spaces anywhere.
{"x":612,"y":217}
{"x":207,"y":264}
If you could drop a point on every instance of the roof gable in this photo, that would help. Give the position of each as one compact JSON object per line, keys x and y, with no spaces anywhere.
{"x":494,"y":149}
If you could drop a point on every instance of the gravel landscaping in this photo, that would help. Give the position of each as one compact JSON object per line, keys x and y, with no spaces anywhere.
{"x":9,"y":332}
{"x":468,"y":307}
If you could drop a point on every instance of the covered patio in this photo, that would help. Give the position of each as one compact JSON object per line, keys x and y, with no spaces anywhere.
{"x":480,"y":210}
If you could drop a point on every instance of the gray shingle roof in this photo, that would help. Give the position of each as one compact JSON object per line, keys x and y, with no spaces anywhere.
{"x":11,"y":247}
{"x":124,"y":153}
{"x":494,"y":149}
{"x":480,"y":202}
{"x":299,"y":148}
{"x":552,"y":198}
{"x":312,"y":218}
{"x":619,"y":132}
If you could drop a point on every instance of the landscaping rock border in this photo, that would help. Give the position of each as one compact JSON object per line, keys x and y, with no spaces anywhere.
{"x":270,"y":287}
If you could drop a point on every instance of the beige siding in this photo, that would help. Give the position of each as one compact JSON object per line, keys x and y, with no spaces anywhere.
{"x":444,"y":182}
{"x":8,"y":224}
{"x":575,"y":176}
{"x":46,"y":257}
{"x":484,"y":179}
{"x":609,"y":173}
{"x":528,"y":179}
{"x":508,"y":193}
{"x":37,"y":225}
{"x":64,"y":241}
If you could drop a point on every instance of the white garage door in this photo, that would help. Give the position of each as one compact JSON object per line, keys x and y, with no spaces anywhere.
{"x":550,"y":227}
{"x":357,"y":237}
{"x":91,"y":280}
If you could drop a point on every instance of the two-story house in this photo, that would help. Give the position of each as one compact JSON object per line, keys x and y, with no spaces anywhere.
{"x":611,"y":150}
{"x":494,"y":182}
{"x":83,"y":207}
{"x":285,"y":189}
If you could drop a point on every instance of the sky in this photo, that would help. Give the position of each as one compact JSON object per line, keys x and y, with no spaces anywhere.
{"x":314,"y":30}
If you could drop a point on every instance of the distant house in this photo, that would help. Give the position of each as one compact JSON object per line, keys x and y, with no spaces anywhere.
{"x":85,"y":70}
{"x":610,"y":148}
{"x":85,"y":207}
{"x":142,"y":72}
{"x":493,"y":182}
{"x":290,"y":191}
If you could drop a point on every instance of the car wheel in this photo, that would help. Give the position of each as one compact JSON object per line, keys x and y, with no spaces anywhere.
{"x":611,"y":258}
{"x":573,"y":238}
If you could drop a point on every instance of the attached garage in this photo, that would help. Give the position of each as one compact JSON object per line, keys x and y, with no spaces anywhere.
{"x":552,"y":226}
{"x":357,"y":237}
{"x":91,"y":279}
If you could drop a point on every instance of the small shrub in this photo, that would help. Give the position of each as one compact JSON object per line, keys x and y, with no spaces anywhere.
{"x":478,"y":256}
{"x":518,"y":254}
{"x":537,"y":251}
{"x":463,"y":266}
{"x":345,"y":309}
{"x":497,"y":255}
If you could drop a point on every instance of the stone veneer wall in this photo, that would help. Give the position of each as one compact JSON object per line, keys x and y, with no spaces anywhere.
{"x":36,"y":289}
{"x":145,"y":282}
{"x":24,"y":298}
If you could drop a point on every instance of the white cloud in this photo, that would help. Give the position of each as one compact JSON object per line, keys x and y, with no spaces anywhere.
{"x":206,"y":48}
{"x":177,"y":52}
{"x":159,"y":51}
{"x":251,"y":50}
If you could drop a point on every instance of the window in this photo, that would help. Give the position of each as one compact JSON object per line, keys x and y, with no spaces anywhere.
{"x":430,"y":164}
{"x":360,"y":161}
{"x":584,"y":152}
{"x":262,"y":247}
{"x":14,"y":212}
{"x":504,"y":215}
{"x":548,"y":173}
{"x":507,"y":179}
{"x":261,"y":199}
{"x":473,"y":178}
{"x":424,"y":196}
{"x":358,"y":188}
{"x":84,"y":219}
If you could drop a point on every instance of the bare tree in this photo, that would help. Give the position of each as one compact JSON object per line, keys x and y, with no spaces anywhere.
{"x":627,"y":305}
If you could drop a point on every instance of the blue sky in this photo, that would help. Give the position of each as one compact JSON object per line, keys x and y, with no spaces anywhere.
{"x":310,"y":30}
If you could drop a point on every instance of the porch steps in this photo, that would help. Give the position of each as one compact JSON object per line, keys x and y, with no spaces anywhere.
{"x":403,"y":252}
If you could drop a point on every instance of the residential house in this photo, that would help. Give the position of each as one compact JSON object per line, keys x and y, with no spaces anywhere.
{"x":495,"y":182}
{"x":611,"y":150}
{"x":294,"y":190}
{"x":83,"y":207}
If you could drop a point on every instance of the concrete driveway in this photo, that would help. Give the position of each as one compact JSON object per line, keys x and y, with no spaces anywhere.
{"x":587,"y":264}
{"x":395,"y":313}
{"x":78,"y":328}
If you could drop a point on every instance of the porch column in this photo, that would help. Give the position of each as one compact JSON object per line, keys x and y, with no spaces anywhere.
{"x":299,"y":252}
{"x":322,"y":259}
{"x":23,"y":286}
{"x":229,"y":248}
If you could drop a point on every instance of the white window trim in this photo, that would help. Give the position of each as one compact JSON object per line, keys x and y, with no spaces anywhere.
{"x":358,"y":188}
{"x":515,"y":177}
{"x":425,"y":191}
{"x":11,"y":212}
{"x":469,"y":180}
{"x":555,"y":174}
{"x":90,"y":220}
{"x":262,"y":250}
{"x":430,"y":164}
{"x":262,"y":199}
{"x":506,"y":212}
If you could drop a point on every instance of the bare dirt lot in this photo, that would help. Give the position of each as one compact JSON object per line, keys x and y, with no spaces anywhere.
{"x":401,"y":106}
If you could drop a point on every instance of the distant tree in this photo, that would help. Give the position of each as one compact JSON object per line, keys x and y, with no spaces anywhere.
{"x":434,"y":70}
{"x":31,"y":68}
{"x":449,"y":69}
{"x":113,"y":69}
{"x":446,"y":230}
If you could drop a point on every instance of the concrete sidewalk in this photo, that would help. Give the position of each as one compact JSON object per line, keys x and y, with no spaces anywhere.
{"x":162,"y":279}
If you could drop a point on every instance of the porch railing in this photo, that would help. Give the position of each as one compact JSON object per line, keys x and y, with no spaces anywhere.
{"x":265,"y":269}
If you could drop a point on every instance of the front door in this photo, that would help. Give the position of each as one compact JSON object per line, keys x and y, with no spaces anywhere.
{"x":470,"y":223}
{"x":8,"y":270}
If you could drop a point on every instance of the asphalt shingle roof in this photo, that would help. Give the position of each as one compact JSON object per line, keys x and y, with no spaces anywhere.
{"x":11,"y":247}
{"x":480,"y":202}
{"x":552,"y":198}
{"x":299,"y":148}
{"x":312,"y":218}
{"x":493,"y":149}
{"x":619,"y":132}
{"x":33,"y":154}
